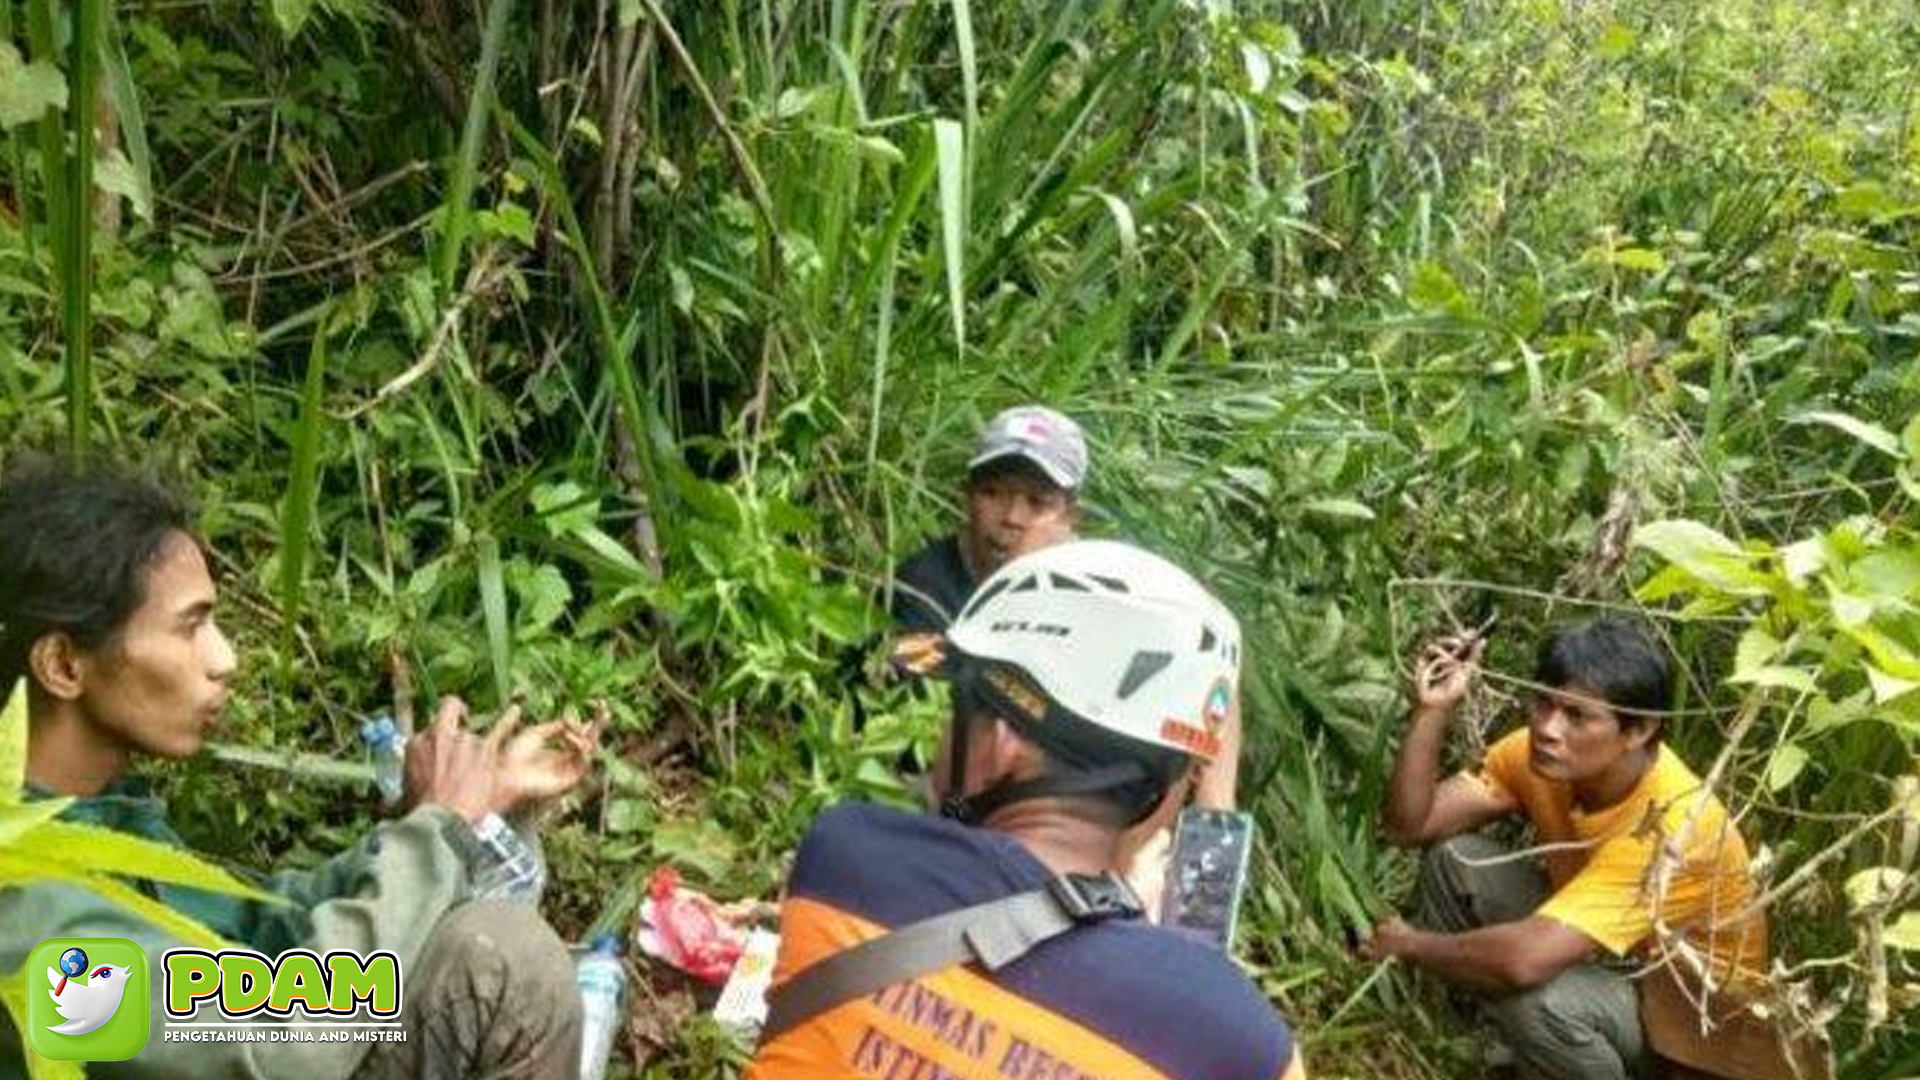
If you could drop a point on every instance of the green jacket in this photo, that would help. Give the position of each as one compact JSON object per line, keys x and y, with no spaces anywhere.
{"x":386,"y":892}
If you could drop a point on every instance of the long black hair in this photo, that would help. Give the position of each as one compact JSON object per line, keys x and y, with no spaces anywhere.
{"x":76,"y":541}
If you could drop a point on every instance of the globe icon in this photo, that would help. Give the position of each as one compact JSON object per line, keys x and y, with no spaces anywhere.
{"x":73,"y":962}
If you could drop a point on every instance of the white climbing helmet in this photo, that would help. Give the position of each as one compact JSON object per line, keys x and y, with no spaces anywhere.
{"x":1115,"y":635}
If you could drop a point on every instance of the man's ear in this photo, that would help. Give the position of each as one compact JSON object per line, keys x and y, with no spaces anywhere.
{"x":55,"y":663}
{"x":1639,"y":730}
{"x":1004,"y":754}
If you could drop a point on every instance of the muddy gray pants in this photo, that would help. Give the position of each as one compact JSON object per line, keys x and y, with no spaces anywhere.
{"x":492,"y":997}
{"x":1585,"y":1023}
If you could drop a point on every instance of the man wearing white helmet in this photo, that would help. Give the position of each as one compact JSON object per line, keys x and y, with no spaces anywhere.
{"x":997,"y":940}
{"x":1022,"y":495}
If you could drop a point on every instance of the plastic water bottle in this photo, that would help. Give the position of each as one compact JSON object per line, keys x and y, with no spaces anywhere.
{"x":517,"y":874}
{"x":602,"y":979}
{"x":389,"y":749}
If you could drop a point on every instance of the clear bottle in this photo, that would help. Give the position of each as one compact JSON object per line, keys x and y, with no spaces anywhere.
{"x":602,"y":978}
{"x":516,"y":873}
{"x":389,"y":750}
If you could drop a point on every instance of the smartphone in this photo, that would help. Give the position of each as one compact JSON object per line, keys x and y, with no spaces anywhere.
{"x":1207,"y":875}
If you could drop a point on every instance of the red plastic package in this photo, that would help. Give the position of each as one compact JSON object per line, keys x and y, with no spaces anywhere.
{"x":687,"y":929}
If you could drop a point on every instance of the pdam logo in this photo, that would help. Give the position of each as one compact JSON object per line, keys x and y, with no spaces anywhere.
{"x":94,"y":1002}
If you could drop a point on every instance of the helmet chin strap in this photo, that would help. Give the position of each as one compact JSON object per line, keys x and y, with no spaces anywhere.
{"x":976,"y":808}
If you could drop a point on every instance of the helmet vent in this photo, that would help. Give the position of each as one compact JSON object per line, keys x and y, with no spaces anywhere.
{"x":1027,"y":584}
{"x":1144,"y":666}
{"x":1113,"y":584}
{"x":1208,"y":639}
{"x":980,"y":600}
{"x":1061,"y":581}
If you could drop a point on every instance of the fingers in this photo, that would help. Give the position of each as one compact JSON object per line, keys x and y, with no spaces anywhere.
{"x":504,"y":728}
{"x":449,"y":715}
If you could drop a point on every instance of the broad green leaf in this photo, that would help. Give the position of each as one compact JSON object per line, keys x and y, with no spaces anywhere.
{"x":1893,"y":573}
{"x":1755,"y":649}
{"x":1785,"y":767}
{"x":1433,"y":289}
{"x":564,"y":507}
{"x":1339,"y":508}
{"x":1824,"y":713}
{"x":27,"y":91}
{"x":544,"y":595}
{"x":1779,"y":676}
{"x":13,"y":743}
{"x":291,"y":15}
{"x":1700,"y":551}
{"x":1872,"y":434}
{"x":509,"y":220}
{"x":1870,"y":200}
{"x":1887,"y":687}
{"x":1638,"y":258}
{"x":1903,"y":933}
{"x":114,"y":891}
{"x":89,"y":848}
{"x":1803,"y":559}
{"x":1892,"y":655}
{"x":115,"y":175}
{"x":1848,"y":610}
{"x":1615,"y":42}
{"x":1878,"y":885}
{"x":18,"y":819}
{"x":695,"y":845}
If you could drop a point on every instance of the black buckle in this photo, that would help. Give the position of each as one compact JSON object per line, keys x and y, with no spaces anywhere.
{"x":1095,"y":897}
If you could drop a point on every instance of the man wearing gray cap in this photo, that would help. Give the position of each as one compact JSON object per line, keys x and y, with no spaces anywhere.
{"x":1022,"y":487}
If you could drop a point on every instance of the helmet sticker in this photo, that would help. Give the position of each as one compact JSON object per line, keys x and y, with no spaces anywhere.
{"x":1219,"y":704}
{"x":1194,"y":740}
{"x":1018,"y":691}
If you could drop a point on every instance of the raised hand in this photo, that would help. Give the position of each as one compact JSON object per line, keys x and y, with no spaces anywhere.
{"x":1445,"y":671}
{"x":451,"y":766}
{"x":545,"y":761}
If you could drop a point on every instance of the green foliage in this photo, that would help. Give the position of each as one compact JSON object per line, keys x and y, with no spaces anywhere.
{"x":621,"y":363}
{"x":1828,"y":663}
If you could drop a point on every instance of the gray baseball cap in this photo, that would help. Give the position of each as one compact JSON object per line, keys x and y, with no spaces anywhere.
{"x":1040,"y":435}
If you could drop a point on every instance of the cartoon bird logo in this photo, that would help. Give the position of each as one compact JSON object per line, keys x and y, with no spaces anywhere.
{"x":87,"y":1006}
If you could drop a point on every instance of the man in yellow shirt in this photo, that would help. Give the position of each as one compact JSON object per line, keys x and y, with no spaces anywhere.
{"x":1634,"y":859}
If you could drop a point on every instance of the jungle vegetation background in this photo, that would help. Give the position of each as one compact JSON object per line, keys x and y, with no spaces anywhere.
{"x":612,"y":349}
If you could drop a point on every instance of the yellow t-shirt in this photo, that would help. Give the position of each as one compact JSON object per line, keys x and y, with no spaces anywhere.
{"x":1604,"y":889}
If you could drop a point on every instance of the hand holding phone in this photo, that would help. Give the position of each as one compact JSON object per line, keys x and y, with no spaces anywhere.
{"x":1446,"y":666}
{"x":1207,"y":875}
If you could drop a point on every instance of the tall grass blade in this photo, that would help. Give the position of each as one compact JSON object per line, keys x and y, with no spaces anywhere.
{"x":303,"y":483}
{"x":493,"y":609}
{"x":884,"y":263}
{"x":969,"y":69}
{"x":466,"y":163}
{"x":950,"y":145}
{"x":127,"y":107}
{"x":76,"y":284}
